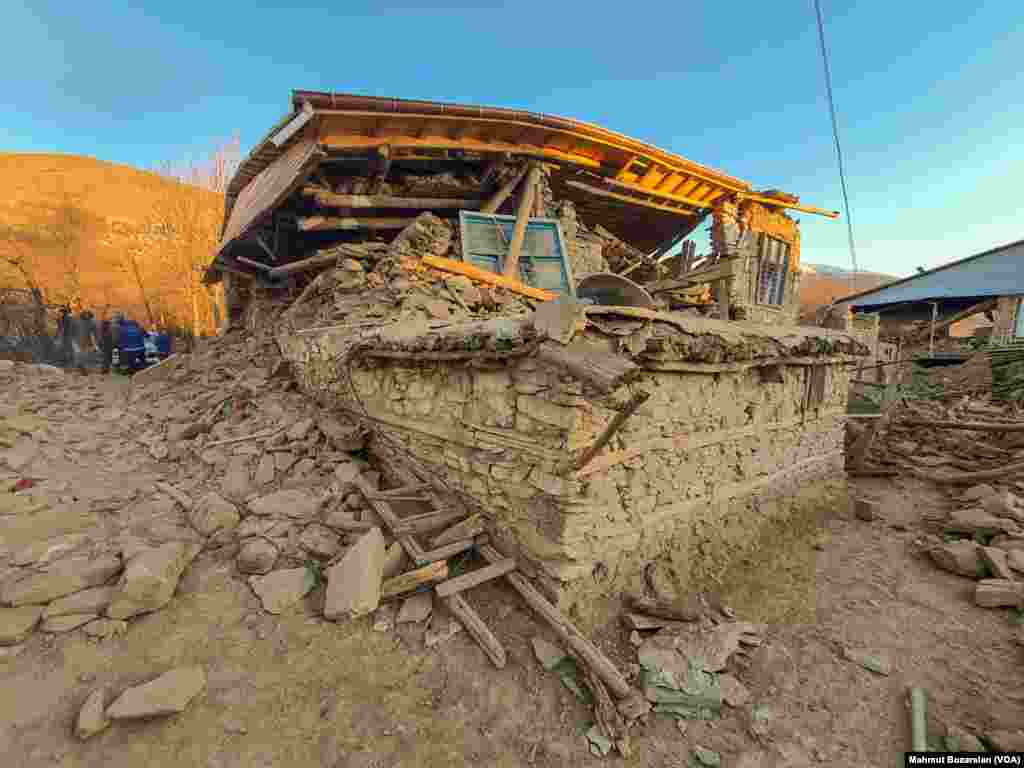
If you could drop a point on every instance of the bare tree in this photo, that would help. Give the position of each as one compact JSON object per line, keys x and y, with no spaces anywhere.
{"x":65,"y":232}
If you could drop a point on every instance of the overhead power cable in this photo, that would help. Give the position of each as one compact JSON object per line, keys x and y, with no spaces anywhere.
{"x":839,"y":148}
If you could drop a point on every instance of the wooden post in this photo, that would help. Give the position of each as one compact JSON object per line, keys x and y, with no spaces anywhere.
{"x":382,"y":169}
{"x":522,"y":219}
{"x":492,"y":205}
{"x":471,"y":620}
{"x":564,"y":629}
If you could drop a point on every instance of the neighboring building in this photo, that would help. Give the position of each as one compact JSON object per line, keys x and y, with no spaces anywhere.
{"x":991,"y":282}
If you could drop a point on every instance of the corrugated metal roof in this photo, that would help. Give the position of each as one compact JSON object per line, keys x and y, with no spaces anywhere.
{"x":996,"y":272}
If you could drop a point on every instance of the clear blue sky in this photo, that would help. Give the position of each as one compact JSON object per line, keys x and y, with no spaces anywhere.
{"x":930,"y":95}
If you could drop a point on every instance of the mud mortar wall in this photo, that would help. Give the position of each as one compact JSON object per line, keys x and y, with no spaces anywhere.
{"x":687,"y":482}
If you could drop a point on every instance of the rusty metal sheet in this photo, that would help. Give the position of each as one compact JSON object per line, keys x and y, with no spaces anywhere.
{"x":269,"y":189}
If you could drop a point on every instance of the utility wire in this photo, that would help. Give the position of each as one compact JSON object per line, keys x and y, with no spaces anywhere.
{"x":839,"y":149}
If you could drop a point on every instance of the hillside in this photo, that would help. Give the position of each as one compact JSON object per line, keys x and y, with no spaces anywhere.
{"x":822,"y":286}
{"x":79,"y":226}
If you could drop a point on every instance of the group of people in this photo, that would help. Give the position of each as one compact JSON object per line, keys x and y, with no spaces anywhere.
{"x":78,"y":338}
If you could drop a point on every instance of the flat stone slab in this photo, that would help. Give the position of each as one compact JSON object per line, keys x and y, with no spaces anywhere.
{"x":92,"y":600}
{"x":353,"y":584}
{"x":996,"y":562}
{"x":67,"y":622}
{"x":17,"y":623}
{"x":167,"y":695}
{"x":213,"y":513}
{"x":999,"y":593}
{"x":257,"y":556}
{"x":280,"y":590}
{"x":416,"y":608}
{"x":150,"y":579}
{"x":960,"y":557}
{"x":92,"y":718}
{"x":290,"y":503}
{"x":64,"y":577}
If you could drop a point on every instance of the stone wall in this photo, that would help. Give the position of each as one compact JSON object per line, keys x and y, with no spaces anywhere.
{"x":687,"y":482}
{"x":735,"y":232}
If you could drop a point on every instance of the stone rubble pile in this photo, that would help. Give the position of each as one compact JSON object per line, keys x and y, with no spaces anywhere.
{"x":984,"y":540}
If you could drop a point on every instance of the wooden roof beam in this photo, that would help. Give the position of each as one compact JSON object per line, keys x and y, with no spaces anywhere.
{"x":638,"y":201}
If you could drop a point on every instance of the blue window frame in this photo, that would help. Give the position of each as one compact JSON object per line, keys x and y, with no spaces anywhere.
{"x":542,"y":261}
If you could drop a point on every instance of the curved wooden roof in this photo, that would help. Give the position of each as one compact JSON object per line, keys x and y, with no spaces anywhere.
{"x":643,"y":194}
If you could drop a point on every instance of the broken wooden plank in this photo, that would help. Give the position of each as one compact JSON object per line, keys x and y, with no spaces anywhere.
{"x":474,"y":578}
{"x":616,"y":423}
{"x":499,"y":197}
{"x":467,"y":529}
{"x":663,"y":609}
{"x":471,"y":620}
{"x":428,"y":522}
{"x":256,"y":436}
{"x":490,"y":278}
{"x":1014,"y":426}
{"x":407,"y":582}
{"x":316,"y":262}
{"x":511,"y":267}
{"x":971,"y":477}
{"x":564,"y":628}
{"x":331,"y":223}
{"x":443,"y":553}
{"x":411,"y":488}
{"x":334,"y":200}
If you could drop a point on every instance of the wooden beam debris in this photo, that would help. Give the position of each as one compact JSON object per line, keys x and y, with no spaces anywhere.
{"x":334,"y":200}
{"x":490,"y":278}
{"x":511,"y":268}
{"x":499,"y":197}
{"x":471,"y":620}
{"x":330,"y":223}
{"x":407,"y":582}
{"x":475,"y":578}
{"x":565,"y":630}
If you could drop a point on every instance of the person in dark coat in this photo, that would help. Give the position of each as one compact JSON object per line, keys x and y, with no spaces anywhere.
{"x":66,"y":331}
{"x":106,"y":345}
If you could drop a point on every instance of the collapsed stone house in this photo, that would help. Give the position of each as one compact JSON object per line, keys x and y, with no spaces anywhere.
{"x":426,"y":267}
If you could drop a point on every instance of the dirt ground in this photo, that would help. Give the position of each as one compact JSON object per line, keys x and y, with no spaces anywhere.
{"x":295,"y":690}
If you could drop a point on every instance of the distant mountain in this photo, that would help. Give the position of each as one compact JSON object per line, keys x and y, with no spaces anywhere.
{"x":820,"y":284}
{"x":828,"y":269}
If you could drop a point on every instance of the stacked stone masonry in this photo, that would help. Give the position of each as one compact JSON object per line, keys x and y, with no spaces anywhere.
{"x":687,"y":482}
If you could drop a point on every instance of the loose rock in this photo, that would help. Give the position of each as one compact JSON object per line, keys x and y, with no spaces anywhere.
{"x":92,"y":718}
{"x":866,"y":510}
{"x":59,"y":624}
{"x":1007,"y":741}
{"x":280,"y":590}
{"x":43,"y":552}
{"x":959,"y":557}
{"x":265,"y":470}
{"x":17,"y":623}
{"x":63,"y":578}
{"x":996,"y":562}
{"x":149,"y":580}
{"x":416,"y":608}
{"x":295,"y":504}
{"x":213,"y":513}
{"x":167,"y":695}
{"x":353,"y":584}
{"x":978,"y":493}
{"x":94,"y":600}
{"x":998,"y":593}
{"x":441,"y":630}
{"x":320,"y":542}
{"x":103,"y":629}
{"x":395,"y":561}
{"x":257,"y":556}
{"x":734,"y":693}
